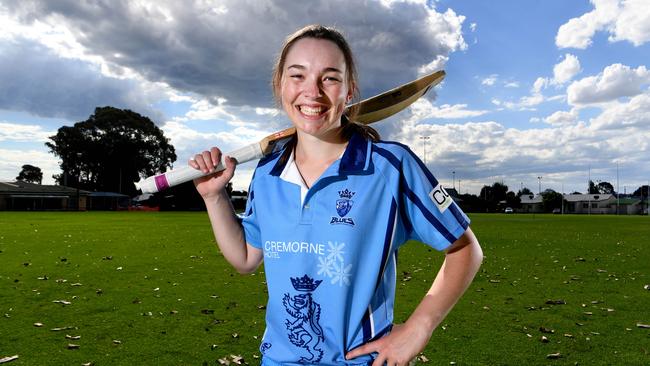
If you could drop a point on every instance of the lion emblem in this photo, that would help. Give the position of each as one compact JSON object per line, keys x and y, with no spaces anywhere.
{"x":304,"y":328}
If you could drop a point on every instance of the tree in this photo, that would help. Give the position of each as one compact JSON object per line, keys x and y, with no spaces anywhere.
{"x":605,"y":188}
{"x":551,"y":200}
{"x":110,"y":150}
{"x":494,"y":194}
{"x":641,"y":191}
{"x":30,"y":174}
{"x":512,"y":200}
{"x":524,"y":191}
{"x":592,"y":188}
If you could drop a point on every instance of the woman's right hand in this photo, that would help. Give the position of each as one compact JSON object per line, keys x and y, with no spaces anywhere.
{"x":214,"y":184}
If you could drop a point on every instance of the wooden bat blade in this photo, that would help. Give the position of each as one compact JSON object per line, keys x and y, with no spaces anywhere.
{"x":388,"y":103}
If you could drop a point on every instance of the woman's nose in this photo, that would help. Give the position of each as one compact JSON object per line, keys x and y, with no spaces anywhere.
{"x":312,"y":88}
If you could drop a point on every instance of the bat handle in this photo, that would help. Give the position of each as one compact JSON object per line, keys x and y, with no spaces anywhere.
{"x":186,"y":173}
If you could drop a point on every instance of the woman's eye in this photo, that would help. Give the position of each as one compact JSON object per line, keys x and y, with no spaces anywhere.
{"x":332,"y":79}
{"x":297,"y":76}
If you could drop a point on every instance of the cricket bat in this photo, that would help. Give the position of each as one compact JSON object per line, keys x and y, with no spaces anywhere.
{"x":370,"y":110}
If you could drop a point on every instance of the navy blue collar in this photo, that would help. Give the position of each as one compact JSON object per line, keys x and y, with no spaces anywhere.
{"x":355,"y":159}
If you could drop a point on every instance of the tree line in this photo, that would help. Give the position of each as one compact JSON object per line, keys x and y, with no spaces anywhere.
{"x":115,"y":147}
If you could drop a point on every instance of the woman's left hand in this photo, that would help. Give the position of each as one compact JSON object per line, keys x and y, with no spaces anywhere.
{"x":398,"y":348}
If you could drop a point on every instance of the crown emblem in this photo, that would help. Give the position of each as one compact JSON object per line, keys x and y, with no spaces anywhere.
{"x":346,"y":194}
{"x":305,"y":284}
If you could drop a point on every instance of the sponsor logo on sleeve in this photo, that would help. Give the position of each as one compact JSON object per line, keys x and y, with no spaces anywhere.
{"x":440,"y":197}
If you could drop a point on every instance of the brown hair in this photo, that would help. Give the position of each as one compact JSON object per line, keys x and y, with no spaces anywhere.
{"x":333,"y":35}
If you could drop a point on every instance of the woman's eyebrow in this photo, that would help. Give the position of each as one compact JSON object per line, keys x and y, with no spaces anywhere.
{"x":327,"y":69}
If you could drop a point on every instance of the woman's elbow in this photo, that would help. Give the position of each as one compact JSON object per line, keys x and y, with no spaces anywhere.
{"x":245,"y":268}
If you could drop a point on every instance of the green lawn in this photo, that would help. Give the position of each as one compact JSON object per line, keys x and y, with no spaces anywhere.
{"x":150,"y":288}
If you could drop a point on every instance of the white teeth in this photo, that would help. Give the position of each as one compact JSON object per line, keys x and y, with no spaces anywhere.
{"x":311,"y":111}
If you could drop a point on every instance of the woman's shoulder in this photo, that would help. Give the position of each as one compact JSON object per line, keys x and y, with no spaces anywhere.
{"x":393,"y":150}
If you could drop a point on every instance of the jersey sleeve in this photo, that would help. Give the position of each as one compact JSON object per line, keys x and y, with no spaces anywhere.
{"x":250,"y":220}
{"x":429,"y":212}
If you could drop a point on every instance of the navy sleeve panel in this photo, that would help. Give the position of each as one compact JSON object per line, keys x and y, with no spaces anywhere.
{"x":429,"y":214}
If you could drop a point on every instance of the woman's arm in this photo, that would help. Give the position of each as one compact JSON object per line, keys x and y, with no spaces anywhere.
{"x":462,"y":260}
{"x":228,"y":231}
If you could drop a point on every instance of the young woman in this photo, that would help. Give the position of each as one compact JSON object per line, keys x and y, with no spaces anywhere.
{"x":328,"y":213}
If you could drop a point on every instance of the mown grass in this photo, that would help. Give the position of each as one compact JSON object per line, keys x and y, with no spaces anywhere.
{"x":155,"y":283}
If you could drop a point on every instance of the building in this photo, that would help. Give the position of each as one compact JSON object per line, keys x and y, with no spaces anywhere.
{"x":531,"y":203}
{"x":601,"y":204}
{"x":23,"y":196}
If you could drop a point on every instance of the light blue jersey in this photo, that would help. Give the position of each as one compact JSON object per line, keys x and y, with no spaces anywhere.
{"x":330,"y":251}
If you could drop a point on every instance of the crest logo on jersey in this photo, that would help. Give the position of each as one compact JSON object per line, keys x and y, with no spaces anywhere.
{"x":304,"y":330}
{"x":343,"y":207}
{"x":440,"y":197}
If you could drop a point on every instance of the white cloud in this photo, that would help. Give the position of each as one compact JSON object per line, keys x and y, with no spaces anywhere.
{"x":11,"y":162}
{"x":562,"y":118}
{"x":484,"y":152}
{"x":19,"y":132}
{"x":539,"y":84}
{"x":614,"y":82}
{"x":472,"y":27}
{"x":205,"y":110}
{"x":424,"y":109}
{"x":434,"y":65}
{"x":192,"y":49}
{"x":566,"y":69}
{"x":512,"y":84}
{"x":634,"y":113}
{"x":490,"y":80}
{"x":624,"y":20}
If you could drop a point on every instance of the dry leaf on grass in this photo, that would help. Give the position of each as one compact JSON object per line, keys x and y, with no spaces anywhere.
{"x":8,"y":358}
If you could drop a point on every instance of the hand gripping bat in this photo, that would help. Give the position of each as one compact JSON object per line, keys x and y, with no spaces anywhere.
{"x":370,"y":110}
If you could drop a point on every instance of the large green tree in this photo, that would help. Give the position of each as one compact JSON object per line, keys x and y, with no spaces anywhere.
{"x":110,"y":150}
{"x":551,"y":200}
{"x":31,"y":174}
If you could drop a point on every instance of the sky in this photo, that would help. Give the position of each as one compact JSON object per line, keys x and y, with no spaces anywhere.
{"x":538,"y":94}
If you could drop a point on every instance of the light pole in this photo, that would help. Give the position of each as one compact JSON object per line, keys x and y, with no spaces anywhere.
{"x":424,"y":147}
{"x":459,"y":187}
{"x":453,"y":179}
{"x":539,"y":188}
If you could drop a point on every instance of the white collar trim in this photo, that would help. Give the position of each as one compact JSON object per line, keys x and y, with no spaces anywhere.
{"x":291,"y":174}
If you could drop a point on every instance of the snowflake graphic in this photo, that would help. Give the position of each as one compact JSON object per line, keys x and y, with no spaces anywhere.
{"x":341,"y":274}
{"x":325,"y":266}
{"x":335,"y":251}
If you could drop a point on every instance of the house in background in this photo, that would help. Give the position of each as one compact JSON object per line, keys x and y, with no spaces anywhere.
{"x":22,"y":196}
{"x":588,"y":203}
{"x":531,"y":203}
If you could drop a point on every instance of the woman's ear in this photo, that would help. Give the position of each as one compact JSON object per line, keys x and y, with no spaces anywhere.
{"x":351,"y":90}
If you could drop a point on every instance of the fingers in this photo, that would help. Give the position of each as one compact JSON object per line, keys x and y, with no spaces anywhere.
{"x":206,"y":161}
{"x":380,"y":361}
{"x":365,"y":349}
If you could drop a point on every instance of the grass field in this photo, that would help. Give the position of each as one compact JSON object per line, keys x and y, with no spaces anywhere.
{"x":151,"y":289}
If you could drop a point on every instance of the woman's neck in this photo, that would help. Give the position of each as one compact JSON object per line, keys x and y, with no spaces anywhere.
{"x":320,"y":149}
{"x":313,"y":155}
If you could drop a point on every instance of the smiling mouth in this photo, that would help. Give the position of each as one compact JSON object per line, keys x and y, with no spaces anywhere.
{"x":312,"y":111}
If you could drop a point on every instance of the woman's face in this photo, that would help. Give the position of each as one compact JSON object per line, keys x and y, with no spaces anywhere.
{"x":314,"y":87}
